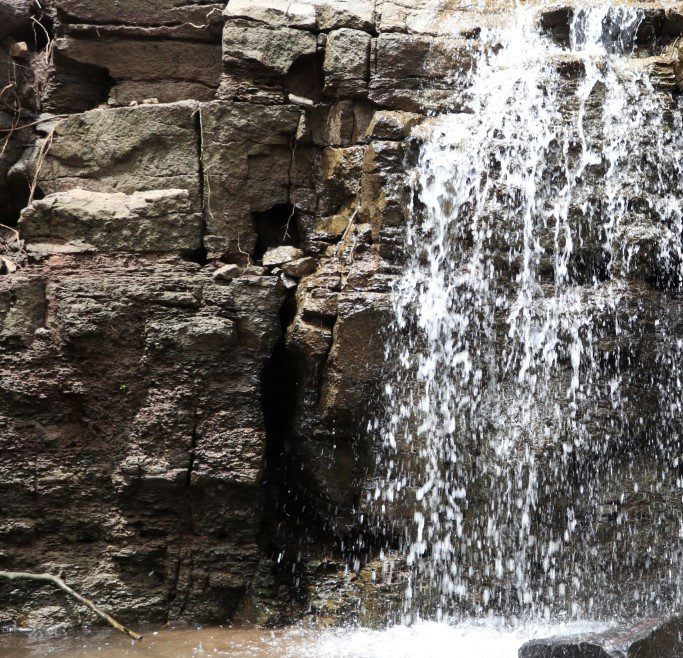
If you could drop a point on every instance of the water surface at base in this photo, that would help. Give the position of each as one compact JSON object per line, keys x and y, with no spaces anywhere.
{"x":474,"y":639}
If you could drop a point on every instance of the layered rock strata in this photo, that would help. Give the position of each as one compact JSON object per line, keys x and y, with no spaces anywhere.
{"x":212,"y":203}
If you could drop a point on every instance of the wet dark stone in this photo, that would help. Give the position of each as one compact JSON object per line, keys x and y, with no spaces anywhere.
{"x":655,"y":638}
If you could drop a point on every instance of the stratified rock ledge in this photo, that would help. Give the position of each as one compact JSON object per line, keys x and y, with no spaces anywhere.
{"x":654,"y":638}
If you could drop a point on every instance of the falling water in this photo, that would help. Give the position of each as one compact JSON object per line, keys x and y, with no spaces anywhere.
{"x":532,"y":433}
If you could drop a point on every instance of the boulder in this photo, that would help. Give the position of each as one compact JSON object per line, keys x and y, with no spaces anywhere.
{"x":654,"y":638}
{"x":281,"y":255}
{"x":154,"y":221}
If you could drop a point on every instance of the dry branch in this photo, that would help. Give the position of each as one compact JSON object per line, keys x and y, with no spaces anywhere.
{"x":59,"y":583}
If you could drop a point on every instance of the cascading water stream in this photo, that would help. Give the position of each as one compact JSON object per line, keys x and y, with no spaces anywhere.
{"x":535,"y":363}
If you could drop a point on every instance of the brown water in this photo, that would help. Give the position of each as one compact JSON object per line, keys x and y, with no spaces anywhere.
{"x":488,"y":638}
{"x":237,"y":643}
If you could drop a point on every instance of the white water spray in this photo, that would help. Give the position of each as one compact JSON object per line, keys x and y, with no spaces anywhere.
{"x":535,"y":382}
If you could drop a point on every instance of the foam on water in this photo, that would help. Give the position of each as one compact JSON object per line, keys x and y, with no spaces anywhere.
{"x":491,"y":638}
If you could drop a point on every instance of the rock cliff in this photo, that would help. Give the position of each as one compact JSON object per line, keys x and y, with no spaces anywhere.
{"x":200,"y":216}
{"x":203,"y":210}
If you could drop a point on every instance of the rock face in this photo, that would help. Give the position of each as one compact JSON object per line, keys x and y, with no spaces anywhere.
{"x":658,"y":637}
{"x":190,"y":300}
{"x":213,"y":201}
{"x":133,"y":432}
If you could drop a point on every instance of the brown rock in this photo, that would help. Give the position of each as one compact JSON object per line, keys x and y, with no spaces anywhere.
{"x":300,"y":267}
{"x":227,"y":273}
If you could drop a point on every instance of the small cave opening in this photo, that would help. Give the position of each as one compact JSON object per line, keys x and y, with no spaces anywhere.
{"x":276,"y":227}
{"x":306,"y":78}
{"x":73,"y":87}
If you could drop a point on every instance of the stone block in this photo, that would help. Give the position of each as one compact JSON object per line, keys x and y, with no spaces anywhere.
{"x":281,"y":255}
{"x":154,"y":221}
{"x":265,"y":50}
{"x":131,"y":149}
{"x":166,"y":69}
{"x":253,"y":176}
{"x":306,"y":14}
{"x":347,"y":64}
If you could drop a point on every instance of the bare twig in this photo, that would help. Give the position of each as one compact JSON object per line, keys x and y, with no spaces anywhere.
{"x":52,"y":117}
{"x":42,"y":153}
{"x":208,"y":22}
{"x":59,"y":583}
{"x":290,"y":175}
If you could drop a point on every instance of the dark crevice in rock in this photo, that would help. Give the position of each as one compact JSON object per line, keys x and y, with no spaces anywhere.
{"x":76,"y":87}
{"x":173,"y":592}
{"x":200,"y":255}
{"x":43,"y":30}
{"x":282,"y":510}
{"x":276,"y":227}
{"x":193,"y":453}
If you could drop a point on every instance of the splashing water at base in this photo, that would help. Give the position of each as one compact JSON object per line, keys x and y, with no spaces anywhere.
{"x":533,"y":407}
{"x":476,"y":639}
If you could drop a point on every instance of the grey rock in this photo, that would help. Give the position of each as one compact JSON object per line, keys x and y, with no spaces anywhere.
{"x":347,"y":63}
{"x":147,"y":147}
{"x":154,"y":221}
{"x":307,"y":14}
{"x":410,"y":71}
{"x":268,"y":50}
{"x":281,"y":255}
{"x":169,"y":70}
{"x":288,"y":282}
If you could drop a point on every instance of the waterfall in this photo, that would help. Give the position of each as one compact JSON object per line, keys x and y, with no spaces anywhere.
{"x":531,"y":429}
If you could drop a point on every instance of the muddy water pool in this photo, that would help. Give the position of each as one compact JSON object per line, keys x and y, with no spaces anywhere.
{"x":488,"y":638}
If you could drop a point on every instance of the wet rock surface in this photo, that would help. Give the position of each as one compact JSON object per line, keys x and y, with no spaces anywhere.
{"x":656,"y":637}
